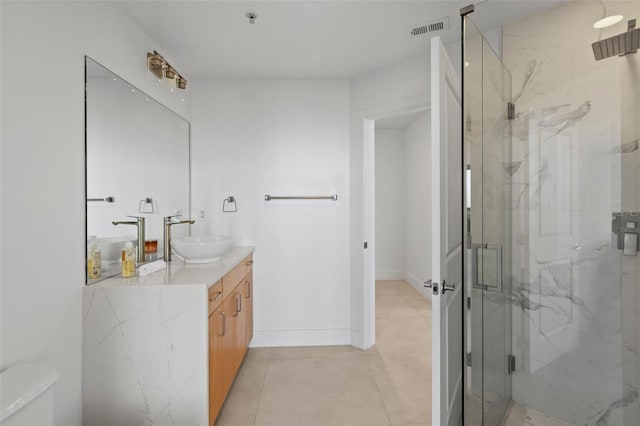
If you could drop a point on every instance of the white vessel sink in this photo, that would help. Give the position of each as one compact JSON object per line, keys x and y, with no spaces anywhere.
{"x":111,"y":247}
{"x":201,"y":249}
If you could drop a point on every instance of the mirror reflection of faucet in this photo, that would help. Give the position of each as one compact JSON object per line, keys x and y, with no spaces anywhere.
{"x":139,"y":223}
{"x":168,"y":223}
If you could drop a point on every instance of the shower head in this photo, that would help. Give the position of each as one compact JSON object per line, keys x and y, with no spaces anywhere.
{"x":621,"y":44}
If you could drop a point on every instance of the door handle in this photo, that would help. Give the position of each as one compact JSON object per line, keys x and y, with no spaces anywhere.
{"x":432,"y":285}
{"x":475,"y":280}
{"x":248,"y":289}
{"x":224,"y":323}
{"x":447,"y":287}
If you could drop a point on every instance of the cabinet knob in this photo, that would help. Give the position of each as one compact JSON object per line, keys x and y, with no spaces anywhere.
{"x":215,"y":297}
{"x":249,"y":262}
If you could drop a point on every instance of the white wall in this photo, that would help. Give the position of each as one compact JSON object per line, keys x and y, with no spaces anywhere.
{"x":372,"y":94}
{"x":418,"y":203}
{"x":257,"y":137}
{"x":390,"y":204}
{"x":404,"y":83}
{"x":42,"y":231}
{"x":403,"y":203}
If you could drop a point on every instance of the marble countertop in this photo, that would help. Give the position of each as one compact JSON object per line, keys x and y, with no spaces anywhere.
{"x":181,"y":273}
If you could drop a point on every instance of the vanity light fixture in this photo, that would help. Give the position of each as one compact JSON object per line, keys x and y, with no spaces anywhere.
{"x":163,"y":70}
{"x":607,"y":21}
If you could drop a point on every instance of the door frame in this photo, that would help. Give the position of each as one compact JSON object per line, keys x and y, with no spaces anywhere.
{"x":363,"y":298}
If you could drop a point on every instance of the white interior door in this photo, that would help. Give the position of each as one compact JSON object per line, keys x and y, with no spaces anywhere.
{"x":446,"y":160}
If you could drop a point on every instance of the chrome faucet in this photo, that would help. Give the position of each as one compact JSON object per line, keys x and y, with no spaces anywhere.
{"x":139,"y":223}
{"x":168,"y":222}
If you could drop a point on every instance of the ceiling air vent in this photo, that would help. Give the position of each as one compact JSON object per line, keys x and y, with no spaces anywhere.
{"x":431,"y":27}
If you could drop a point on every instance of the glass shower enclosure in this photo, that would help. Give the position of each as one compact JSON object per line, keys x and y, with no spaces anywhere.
{"x":552,"y":189}
{"x":487,"y":150}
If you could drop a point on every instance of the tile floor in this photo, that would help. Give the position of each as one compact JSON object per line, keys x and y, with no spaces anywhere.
{"x":521,"y":415}
{"x":388,"y":385}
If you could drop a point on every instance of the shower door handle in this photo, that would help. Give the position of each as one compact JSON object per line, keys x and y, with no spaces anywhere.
{"x":475,"y":280}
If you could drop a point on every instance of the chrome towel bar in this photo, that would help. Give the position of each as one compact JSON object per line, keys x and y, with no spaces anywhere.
{"x":333,"y":197}
{"x":109,"y":199}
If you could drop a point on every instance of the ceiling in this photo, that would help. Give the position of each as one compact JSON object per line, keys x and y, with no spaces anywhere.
{"x":303,"y":39}
{"x":400,"y":121}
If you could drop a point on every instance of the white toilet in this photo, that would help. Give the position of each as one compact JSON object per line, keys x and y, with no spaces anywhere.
{"x":27,"y":395}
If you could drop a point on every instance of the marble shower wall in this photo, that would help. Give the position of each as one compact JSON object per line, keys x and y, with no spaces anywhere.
{"x":575,"y":161}
{"x":630,"y":158}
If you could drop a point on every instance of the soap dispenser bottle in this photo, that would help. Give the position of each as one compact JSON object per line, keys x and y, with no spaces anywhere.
{"x":128,"y":261}
{"x":91,"y":270}
{"x":97,"y":262}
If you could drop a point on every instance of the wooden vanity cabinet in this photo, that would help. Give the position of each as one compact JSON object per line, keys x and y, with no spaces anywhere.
{"x":230,"y":331}
{"x":229,"y":344}
{"x":246,"y":289}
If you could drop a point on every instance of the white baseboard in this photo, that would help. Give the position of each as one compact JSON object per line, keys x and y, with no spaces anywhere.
{"x":301,"y":337}
{"x":418,"y":285}
{"x":389,"y":275}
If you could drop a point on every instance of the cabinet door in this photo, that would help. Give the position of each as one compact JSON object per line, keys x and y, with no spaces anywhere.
{"x":247,"y":307}
{"x":242,"y":320}
{"x":229,"y":341}
{"x":217,"y":331}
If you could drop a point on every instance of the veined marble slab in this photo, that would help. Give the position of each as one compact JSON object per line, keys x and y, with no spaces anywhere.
{"x":145,"y":346}
{"x":575,"y":326}
{"x":181,"y":273}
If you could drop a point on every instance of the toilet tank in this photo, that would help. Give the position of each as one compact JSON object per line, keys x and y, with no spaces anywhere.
{"x":27,"y":395}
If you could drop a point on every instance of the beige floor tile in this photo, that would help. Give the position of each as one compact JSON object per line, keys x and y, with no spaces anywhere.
{"x":242,"y":401}
{"x":395,"y":311}
{"x":403,"y":334}
{"x":315,"y":352}
{"x":329,"y":391}
{"x":257,"y":354}
{"x":404,"y":380}
{"x":416,"y":424}
{"x":395,"y":298}
{"x":372,"y":351}
{"x":342,"y":385}
{"x":420,"y":303}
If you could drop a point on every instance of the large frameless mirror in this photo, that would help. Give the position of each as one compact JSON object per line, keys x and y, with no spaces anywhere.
{"x":137,"y":166}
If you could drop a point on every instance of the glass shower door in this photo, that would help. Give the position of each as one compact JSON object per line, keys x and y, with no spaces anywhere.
{"x":487,"y":147}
